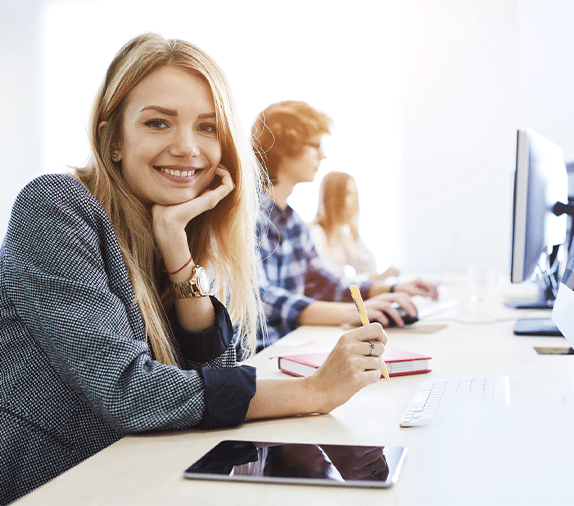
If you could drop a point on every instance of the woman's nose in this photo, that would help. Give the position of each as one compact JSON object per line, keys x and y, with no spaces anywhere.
{"x":185,"y":144}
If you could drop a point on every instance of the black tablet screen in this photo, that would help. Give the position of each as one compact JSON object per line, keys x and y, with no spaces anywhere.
{"x":324,"y":464}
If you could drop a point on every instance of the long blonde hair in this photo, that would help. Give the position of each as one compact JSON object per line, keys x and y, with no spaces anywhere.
{"x":221,"y":239}
{"x":332,"y":209}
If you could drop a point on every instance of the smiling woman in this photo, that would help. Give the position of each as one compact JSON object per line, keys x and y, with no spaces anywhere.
{"x":160,"y":107}
{"x":103,"y":300}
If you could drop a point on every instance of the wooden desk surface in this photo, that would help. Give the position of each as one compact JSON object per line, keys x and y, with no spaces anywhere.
{"x":477,"y":339}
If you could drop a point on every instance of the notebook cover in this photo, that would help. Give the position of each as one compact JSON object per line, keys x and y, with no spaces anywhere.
{"x":310,"y":361}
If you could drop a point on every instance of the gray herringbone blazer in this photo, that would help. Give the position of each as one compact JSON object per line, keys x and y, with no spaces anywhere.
{"x":76,"y":372}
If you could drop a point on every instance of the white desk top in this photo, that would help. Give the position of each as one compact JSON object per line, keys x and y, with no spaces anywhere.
{"x":478,"y":339}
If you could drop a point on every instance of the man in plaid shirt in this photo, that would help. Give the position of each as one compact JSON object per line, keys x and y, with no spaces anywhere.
{"x":295,"y":288}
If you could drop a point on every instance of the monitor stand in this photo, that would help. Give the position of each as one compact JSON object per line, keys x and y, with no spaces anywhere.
{"x":536,"y":327}
{"x":544,"y":300}
{"x":530,"y":303}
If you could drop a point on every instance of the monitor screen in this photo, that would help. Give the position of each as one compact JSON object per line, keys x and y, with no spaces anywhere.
{"x":539,"y":226}
{"x":540,"y":182}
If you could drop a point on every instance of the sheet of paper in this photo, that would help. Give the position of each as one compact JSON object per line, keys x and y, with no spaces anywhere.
{"x":563,"y":312}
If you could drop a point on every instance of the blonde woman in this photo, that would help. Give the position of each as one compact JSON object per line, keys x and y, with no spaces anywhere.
{"x":114,"y":279}
{"x":335,"y":231}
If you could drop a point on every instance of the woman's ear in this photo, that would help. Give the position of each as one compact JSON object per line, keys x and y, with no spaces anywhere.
{"x":100,"y":126}
{"x":116,"y":153}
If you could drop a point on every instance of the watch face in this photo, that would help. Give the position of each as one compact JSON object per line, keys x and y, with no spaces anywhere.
{"x":203,"y":281}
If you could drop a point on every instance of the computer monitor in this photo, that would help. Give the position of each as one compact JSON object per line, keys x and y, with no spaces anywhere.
{"x":539,"y":224}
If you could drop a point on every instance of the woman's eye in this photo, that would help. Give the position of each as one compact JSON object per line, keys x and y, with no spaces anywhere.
{"x":209,"y":128}
{"x":156,"y":123}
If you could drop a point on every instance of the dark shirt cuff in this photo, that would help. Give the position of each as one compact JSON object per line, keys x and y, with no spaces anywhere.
{"x":207,"y":344}
{"x":228,"y":392}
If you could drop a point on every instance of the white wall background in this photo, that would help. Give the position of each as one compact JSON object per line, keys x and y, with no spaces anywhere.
{"x":475,"y":71}
{"x":426,"y":96}
{"x":20,"y":99}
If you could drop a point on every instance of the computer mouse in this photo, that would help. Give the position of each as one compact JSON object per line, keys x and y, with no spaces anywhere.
{"x":407,"y":318}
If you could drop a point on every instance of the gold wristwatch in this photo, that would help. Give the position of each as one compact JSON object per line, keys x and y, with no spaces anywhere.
{"x":197,"y":286}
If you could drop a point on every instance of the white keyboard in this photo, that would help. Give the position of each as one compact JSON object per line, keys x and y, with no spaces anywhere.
{"x":434,"y":398}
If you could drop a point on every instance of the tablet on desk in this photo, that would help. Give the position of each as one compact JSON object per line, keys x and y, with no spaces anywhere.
{"x":298,"y":463}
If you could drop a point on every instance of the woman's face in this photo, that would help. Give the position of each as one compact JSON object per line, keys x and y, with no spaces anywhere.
{"x":351,"y":200}
{"x":169,"y":148}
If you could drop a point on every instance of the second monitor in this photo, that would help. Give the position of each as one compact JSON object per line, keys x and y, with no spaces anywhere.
{"x":539,"y":224}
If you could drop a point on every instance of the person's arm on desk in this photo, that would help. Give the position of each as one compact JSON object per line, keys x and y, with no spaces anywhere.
{"x":348,"y":368}
{"x":379,"y":308}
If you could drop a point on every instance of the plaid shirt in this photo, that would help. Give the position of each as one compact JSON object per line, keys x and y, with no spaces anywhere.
{"x":290,"y":273}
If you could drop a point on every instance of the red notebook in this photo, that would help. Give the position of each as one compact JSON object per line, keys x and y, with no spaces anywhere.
{"x":398,"y":362}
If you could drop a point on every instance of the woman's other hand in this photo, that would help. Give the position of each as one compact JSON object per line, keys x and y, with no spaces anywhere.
{"x":169,"y":222}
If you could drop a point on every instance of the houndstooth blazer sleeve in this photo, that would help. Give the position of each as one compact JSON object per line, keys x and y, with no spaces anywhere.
{"x":76,"y":371}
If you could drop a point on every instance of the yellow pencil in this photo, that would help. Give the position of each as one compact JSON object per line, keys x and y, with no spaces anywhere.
{"x":365,"y":321}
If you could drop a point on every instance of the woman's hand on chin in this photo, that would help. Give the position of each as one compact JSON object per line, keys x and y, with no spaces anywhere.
{"x":169,"y":222}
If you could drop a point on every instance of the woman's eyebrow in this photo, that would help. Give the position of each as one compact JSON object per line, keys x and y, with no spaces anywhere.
{"x":158,"y":108}
{"x":173,"y":112}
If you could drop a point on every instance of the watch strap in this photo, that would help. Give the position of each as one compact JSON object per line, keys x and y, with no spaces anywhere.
{"x":189,"y":288}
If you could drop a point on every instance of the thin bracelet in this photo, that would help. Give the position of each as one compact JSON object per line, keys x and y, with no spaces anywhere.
{"x":182,"y":267}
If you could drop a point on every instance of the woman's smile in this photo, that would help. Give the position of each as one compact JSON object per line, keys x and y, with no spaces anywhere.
{"x":178,"y":173}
